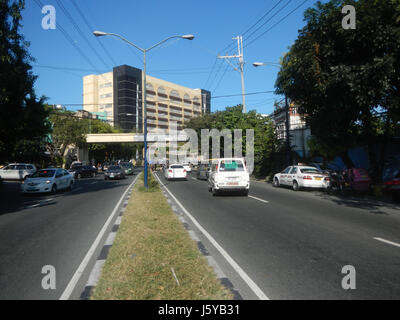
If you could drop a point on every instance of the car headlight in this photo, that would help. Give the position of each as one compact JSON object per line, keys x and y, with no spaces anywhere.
{"x":48,"y":181}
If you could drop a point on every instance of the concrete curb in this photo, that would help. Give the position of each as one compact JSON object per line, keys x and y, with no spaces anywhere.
{"x":98,"y":266}
{"x":211,"y":261}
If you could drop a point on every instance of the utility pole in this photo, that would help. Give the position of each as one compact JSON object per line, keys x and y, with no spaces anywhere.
{"x":288,"y":157}
{"x":241,"y":64}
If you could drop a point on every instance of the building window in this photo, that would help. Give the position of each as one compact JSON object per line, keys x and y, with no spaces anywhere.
{"x":162,"y":93}
{"x":174,"y":96}
{"x":186,"y":100}
{"x":196,"y":101}
{"x":107,"y":95}
{"x":106,"y":85}
{"x":150,"y":93}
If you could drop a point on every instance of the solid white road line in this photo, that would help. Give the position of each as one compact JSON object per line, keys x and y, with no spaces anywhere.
{"x":78,"y":273}
{"x":265,"y":201}
{"x":252,"y":285}
{"x":387,"y":241}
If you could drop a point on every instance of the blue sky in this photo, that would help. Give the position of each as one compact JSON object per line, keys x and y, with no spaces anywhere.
{"x":60,"y":66}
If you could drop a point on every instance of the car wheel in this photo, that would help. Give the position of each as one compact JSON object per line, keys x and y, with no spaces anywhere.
{"x":276,"y":183}
{"x":79,"y":176}
{"x":296,"y":186}
{"x":214,"y":192}
{"x":54,"y":189}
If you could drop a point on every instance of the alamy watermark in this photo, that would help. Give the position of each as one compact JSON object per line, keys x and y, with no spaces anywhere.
{"x":49,"y":280}
{"x":349,"y":280}
{"x":349,"y":20}
{"x":49,"y":20}
{"x":183,"y":145}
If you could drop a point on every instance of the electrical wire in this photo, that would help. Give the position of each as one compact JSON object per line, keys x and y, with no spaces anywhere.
{"x":76,"y":27}
{"x":277,"y":23}
{"x":91,"y":30}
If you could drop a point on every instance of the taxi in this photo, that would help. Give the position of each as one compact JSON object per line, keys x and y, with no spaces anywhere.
{"x":301,"y":176}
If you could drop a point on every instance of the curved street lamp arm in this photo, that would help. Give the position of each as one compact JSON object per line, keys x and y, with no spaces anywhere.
{"x":161,"y":42}
{"x":127,"y":41}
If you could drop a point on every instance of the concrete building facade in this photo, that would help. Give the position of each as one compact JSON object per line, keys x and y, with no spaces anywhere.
{"x":298,"y":131}
{"x":118,"y":95}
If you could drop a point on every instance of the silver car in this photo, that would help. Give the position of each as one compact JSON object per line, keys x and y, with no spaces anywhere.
{"x":17,"y":171}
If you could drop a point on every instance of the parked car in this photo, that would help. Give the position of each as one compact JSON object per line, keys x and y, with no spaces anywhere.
{"x":48,"y":180}
{"x":393,"y":186}
{"x":299,"y":177}
{"x":128,"y":167}
{"x":229,"y":174}
{"x":187,"y":167}
{"x":175,"y":171}
{"x":79,"y":172}
{"x":114,"y":172}
{"x":202,"y":171}
{"x":17,"y":171}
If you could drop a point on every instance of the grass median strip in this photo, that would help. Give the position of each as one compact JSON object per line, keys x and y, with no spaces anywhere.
{"x":153,"y":256}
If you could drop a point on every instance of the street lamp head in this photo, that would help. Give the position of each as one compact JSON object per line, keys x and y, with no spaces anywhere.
{"x":188,"y":36}
{"x":99,"y":33}
{"x":258,"y":64}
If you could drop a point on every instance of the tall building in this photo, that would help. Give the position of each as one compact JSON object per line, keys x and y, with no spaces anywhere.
{"x":118,"y":96}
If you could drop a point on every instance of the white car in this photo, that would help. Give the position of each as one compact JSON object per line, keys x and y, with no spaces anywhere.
{"x":187,"y":167}
{"x":48,"y":180}
{"x":175,"y":171}
{"x":17,"y":171}
{"x":299,"y":177}
{"x":228,"y":174}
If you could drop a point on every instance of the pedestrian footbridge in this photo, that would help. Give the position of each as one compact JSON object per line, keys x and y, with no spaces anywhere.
{"x":135,"y":137}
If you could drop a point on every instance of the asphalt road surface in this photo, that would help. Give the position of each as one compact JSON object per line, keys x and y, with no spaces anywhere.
{"x":55,"y":230}
{"x":294,"y":245}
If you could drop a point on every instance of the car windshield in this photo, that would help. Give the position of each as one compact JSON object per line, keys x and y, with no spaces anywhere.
{"x":126,"y":165}
{"x":176,"y":167}
{"x":114,"y":168}
{"x":43,"y":174}
{"x":76,"y":168}
{"x":231,"y":165}
{"x":87,"y":167}
{"x":310,"y":170}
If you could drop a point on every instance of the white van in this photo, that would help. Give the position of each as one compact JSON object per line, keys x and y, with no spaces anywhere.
{"x":228,"y":174}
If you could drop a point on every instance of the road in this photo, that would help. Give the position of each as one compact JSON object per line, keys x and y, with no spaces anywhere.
{"x":55,"y":230}
{"x":293,"y":245}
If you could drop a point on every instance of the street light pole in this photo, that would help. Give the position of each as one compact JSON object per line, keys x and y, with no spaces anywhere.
{"x":287,"y":120}
{"x":187,"y":37}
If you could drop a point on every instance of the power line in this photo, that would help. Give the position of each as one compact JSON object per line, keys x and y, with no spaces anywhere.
{"x":91,"y":29}
{"x":70,"y":40}
{"x":274,"y":25}
{"x":278,"y":11}
{"x":71,"y":19}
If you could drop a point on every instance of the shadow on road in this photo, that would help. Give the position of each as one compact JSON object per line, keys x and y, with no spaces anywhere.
{"x":11,"y":200}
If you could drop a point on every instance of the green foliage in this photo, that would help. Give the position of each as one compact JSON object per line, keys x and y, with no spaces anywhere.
{"x":265,"y":142}
{"x":344,"y":80}
{"x":23,"y":124}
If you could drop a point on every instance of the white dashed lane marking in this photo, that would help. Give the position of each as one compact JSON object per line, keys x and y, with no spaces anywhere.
{"x":265,"y":201}
{"x":388,"y":242}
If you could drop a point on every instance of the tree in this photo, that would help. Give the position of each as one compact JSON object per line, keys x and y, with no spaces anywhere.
{"x":347,"y":81}
{"x":265,"y":142}
{"x":23,"y":124}
{"x":70,"y":130}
